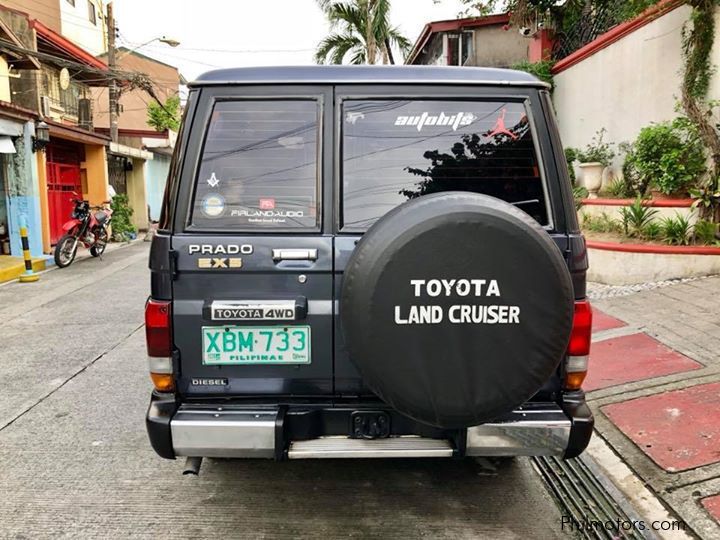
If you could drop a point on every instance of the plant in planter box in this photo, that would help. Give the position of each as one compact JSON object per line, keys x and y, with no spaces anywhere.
{"x":636,"y":217}
{"x":652,"y":231}
{"x":593,"y":161}
{"x":706,"y":232}
{"x":669,"y":157}
{"x":676,"y":230}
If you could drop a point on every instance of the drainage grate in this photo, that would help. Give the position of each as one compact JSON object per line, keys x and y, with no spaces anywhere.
{"x":583,"y":495}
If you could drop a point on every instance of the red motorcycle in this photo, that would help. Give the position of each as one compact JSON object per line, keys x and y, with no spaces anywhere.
{"x":89,"y":227}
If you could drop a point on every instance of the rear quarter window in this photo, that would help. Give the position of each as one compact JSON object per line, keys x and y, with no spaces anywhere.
{"x":397,"y":150}
{"x":259,"y":166}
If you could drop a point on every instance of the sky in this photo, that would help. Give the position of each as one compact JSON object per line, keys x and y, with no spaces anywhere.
{"x":235,"y":33}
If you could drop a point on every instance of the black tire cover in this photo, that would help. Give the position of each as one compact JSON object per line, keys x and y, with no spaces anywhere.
{"x":456,"y":371}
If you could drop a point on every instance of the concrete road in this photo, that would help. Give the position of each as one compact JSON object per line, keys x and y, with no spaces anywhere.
{"x":75,"y":461}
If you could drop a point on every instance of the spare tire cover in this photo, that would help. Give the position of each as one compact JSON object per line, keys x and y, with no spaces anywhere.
{"x":456,"y":308}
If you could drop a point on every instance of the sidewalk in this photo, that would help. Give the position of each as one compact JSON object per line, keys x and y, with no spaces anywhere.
{"x":654,"y":387}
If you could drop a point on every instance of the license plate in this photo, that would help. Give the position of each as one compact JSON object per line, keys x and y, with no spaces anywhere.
{"x":238,"y":345}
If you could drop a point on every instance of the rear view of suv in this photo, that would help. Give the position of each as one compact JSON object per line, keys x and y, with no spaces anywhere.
{"x":368,"y":262}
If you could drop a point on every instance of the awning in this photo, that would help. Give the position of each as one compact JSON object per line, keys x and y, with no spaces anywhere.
{"x":8,"y":128}
{"x":6,"y":145}
{"x":129,"y":151}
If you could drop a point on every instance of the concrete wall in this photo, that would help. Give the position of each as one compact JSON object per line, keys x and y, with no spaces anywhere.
{"x":4,"y":80}
{"x":136,"y":193}
{"x":45,"y":11}
{"x":156,"y":172}
{"x":627,"y":85}
{"x":495,"y":47}
{"x":626,"y":268}
{"x":23,"y":198}
{"x":95,"y":166}
{"x":76,"y":25}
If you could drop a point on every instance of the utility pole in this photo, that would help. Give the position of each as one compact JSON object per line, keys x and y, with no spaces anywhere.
{"x":112,"y":89}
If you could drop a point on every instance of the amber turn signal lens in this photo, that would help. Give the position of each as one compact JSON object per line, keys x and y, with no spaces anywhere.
{"x":163,"y":382}
{"x":573,"y":381}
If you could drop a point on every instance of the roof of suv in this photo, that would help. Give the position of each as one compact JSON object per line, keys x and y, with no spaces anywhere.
{"x":367,"y":75}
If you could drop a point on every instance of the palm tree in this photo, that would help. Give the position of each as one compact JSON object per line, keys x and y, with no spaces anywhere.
{"x":361,"y":29}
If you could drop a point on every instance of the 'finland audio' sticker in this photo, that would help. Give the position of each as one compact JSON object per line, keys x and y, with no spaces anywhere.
{"x":213,"y":206}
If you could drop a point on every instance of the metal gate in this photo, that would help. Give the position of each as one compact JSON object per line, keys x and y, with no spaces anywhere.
{"x":63,"y":178}
{"x":117,"y":173}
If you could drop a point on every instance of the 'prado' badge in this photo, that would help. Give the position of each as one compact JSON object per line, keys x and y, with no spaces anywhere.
{"x":213,"y":206}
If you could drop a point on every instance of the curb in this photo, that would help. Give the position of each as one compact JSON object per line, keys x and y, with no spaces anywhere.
{"x":628,"y":487}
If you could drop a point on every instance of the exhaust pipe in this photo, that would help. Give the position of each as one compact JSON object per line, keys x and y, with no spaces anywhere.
{"x":192,"y":466}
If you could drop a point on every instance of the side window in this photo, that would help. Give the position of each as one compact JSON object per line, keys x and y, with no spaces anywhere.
{"x":398,"y":150}
{"x":259,"y":166}
{"x":166,"y":211}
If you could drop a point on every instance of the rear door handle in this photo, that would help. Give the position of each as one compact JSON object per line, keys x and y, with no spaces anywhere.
{"x":295,"y":254}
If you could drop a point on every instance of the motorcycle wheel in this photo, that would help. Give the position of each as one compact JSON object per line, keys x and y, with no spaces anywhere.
{"x":99,"y":247}
{"x":65,"y":251}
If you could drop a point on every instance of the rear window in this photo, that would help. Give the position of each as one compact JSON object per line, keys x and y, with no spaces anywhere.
{"x":259,"y":166}
{"x":397,"y":150}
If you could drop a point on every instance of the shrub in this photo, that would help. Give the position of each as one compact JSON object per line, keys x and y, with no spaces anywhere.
{"x":122,"y":227}
{"x":636,"y":217}
{"x":621,"y":189}
{"x":542,"y":70}
{"x":597,"y":151}
{"x":579,"y":193}
{"x":676,"y":230}
{"x":705,"y":232}
{"x":652,"y":230}
{"x":668,"y":156}
{"x":601,"y":224}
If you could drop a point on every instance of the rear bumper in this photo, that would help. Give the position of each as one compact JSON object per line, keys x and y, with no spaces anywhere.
{"x":302,"y":431}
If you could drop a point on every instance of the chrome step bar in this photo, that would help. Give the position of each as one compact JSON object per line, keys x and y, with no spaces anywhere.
{"x":392,"y":447}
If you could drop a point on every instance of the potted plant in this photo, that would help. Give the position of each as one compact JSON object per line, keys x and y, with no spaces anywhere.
{"x":596,"y":157}
{"x":668,"y":157}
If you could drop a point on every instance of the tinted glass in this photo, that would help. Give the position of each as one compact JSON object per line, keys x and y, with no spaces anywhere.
{"x":258,"y":166}
{"x":394,"y":151}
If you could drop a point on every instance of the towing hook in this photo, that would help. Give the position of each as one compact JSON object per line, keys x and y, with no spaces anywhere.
{"x":192,"y":466}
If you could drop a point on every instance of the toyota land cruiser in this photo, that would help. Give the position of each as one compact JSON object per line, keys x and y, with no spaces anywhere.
{"x":368,"y":262}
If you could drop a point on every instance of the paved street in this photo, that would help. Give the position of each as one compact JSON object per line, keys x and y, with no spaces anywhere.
{"x":76,"y":461}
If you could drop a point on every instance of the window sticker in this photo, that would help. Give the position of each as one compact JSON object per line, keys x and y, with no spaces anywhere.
{"x":213,"y":206}
{"x":213,"y":180}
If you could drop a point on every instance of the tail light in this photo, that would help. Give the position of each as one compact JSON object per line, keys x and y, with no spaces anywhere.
{"x":578,"y":351}
{"x":158,"y":334}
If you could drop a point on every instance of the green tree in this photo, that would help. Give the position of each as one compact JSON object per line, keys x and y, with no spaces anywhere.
{"x":165,"y":116}
{"x":360,"y":29}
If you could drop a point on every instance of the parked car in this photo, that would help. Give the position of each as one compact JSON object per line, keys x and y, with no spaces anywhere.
{"x":368,"y":262}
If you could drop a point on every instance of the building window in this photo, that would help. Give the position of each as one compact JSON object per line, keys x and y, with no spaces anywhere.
{"x":459,"y":48}
{"x":91,"y":12}
{"x":71,"y":2}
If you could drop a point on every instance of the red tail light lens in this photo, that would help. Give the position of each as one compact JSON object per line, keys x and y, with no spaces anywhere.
{"x":157,"y":328}
{"x":582,"y":330}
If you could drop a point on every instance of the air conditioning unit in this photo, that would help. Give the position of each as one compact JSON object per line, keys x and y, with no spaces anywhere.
{"x":45,"y":106}
{"x":85,"y":113}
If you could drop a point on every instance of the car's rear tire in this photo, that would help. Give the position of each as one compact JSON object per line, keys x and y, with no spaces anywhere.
{"x":456,"y":362}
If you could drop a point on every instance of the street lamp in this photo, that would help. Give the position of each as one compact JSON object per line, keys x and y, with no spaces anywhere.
{"x":166,"y":40}
{"x":41,"y":138}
